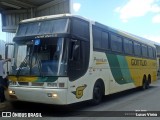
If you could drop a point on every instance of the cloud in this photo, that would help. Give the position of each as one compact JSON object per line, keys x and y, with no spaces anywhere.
{"x":152,"y":38}
{"x":76,"y":6}
{"x":137,"y":8}
{"x":155,"y":8}
{"x":156,"y":19}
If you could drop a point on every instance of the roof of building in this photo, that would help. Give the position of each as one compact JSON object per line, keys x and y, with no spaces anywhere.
{"x":21,"y":4}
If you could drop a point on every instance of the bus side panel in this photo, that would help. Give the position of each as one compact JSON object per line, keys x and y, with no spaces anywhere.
{"x":118,"y":73}
{"x":120,"y":77}
{"x":139,"y":67}
{"x":128,"y":72}
{"x":82,"y":88}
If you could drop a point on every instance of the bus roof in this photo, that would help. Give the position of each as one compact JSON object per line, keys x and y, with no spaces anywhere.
{"x":119,"y":32}
{"x":52,"y":17}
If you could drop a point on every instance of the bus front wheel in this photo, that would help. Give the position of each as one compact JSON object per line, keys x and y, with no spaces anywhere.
{"x":97,"y":93}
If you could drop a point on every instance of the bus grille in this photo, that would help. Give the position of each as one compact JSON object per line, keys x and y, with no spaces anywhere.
{"x":37,"y":84}
{"x":23,"y":83}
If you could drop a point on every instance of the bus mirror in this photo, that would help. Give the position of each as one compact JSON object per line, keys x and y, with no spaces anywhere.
{"x":6,"y":51}
{"x":75,"y":51}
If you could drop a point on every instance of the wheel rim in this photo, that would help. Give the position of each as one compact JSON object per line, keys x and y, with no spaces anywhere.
{"x":97,"y":94}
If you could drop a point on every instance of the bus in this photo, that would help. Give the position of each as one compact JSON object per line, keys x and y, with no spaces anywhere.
{"x":64,"y":59}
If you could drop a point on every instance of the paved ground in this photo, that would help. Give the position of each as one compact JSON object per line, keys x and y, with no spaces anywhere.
{"x":6,"y":105}
{"x":148,"y":100}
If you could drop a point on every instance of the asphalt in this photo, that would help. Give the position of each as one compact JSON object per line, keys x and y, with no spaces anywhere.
{"x":5,"y":105}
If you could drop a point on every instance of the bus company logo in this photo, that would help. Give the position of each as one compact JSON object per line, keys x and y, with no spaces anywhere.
{"x":6,"y":114}
{"x":137,"y":62}
{"x":79,"y":91}
{"x":45,"y":36}
{"x":100,"y":61}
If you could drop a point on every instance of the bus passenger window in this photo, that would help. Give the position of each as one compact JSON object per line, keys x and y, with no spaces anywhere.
{"x":144,"y":51}
{"x":128,"y":46}
{"x":116,"y":43}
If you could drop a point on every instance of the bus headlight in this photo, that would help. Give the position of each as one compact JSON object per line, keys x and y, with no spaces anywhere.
{"x":53,"y":95}
{"x":11,"y":92}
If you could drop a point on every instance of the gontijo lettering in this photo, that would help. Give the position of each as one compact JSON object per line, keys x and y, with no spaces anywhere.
{"x":137,"y":62}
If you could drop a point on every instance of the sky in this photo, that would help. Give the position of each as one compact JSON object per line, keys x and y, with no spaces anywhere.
{"x":139,"y":17}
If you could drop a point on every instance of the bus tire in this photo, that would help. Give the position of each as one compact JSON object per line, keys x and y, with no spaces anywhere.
{"x":148,"y":81}
{"x":144,"y":83}
{"x":97,"y":93}
{"x":147,"y":84}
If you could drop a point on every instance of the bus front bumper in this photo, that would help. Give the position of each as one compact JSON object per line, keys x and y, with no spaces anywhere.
{"x":39,"y":95}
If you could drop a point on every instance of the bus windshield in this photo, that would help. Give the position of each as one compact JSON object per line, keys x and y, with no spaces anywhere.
{"x":43,"y":57}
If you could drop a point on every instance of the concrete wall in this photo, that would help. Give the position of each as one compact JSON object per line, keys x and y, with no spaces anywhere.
{"x":54,"y":7}
{"x":11,"y":18}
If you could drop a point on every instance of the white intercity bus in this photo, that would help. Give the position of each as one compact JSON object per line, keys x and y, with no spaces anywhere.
{"x":64,"y":59}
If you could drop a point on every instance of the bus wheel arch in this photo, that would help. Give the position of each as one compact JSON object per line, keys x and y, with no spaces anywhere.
{"x":98,"y":92}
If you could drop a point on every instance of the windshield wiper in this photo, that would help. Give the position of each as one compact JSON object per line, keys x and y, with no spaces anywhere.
{"x":38,"y":62}
{"x":22,"y":65}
